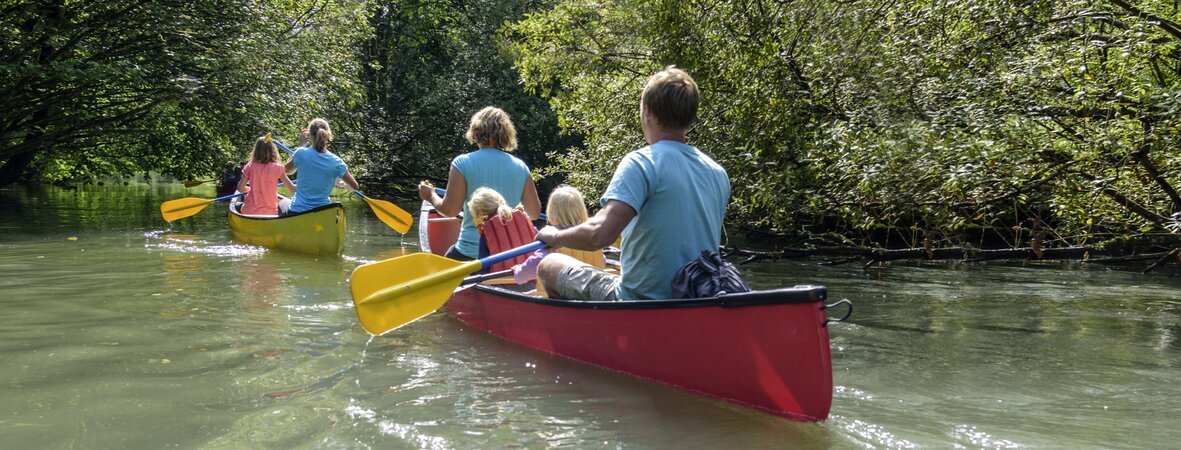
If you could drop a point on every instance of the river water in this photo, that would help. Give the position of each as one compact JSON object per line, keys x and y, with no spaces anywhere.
{"x":118,"y":330}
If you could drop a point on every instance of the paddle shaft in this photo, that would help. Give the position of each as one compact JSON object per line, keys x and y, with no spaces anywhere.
{"x":227,"y":197}
{"x":284,"y":148}
{"x":477,"y":279}
{"x":450,"y":274}
{"x":185,"y":207}
{"x":224,"y":197}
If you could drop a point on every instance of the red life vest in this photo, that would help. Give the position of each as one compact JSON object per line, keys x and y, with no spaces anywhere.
{"x":502,"y":236}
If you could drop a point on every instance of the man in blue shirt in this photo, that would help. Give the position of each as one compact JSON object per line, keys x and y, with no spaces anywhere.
{"x":667,"y":199}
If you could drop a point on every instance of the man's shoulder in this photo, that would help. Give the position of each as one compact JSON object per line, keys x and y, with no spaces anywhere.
{"x":645,"y":153}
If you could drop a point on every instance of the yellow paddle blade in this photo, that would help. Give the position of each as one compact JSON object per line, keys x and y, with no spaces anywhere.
{"x":391,"y":293}
{"x":182,"y":207}
{"x":390,"y":214}
{"x":195,"y":183}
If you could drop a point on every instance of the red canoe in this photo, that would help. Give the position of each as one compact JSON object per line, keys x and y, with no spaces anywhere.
{"x":768,"y":350}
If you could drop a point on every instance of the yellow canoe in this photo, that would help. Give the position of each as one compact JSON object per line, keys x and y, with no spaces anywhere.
{"x":318,"y":231}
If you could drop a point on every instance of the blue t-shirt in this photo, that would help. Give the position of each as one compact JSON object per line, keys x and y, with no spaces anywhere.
{"x":491,"y":168}
{"x":317,"y":174}
{"x":680,"y":196}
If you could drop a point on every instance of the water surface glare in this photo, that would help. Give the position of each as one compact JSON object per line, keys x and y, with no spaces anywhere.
{"x":120,"y":330}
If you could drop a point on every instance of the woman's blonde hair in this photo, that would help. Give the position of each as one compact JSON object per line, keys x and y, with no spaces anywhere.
{"x":566,"y":207}
{"x":491,"y":127}
{"x":485,"y":203}
{"x":265,"y":151}
{"x":320,"y":134}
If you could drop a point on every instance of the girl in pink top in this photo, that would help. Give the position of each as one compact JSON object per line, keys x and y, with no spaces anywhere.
{"x":263,"y":174}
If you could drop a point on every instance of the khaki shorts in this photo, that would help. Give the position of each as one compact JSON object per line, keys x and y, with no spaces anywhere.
{"x":585,"y":282}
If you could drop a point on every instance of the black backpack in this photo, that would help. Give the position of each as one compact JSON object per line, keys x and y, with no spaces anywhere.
{"x":707,"y":276}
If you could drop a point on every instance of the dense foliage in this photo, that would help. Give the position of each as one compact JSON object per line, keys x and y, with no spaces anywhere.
{"x":429,"y":66}
{"x":872,"y":122}
{"x":181,"y":87}
{"x":890,"y":120}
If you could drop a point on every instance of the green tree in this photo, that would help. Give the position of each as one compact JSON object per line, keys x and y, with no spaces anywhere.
{"x":122,"y":86}
{"x":887,"y":120}
{"x":430,"y":65}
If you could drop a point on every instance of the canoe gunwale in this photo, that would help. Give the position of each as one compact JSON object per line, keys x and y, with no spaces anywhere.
{"x":286,"y":216}
{"x":795,"y":294}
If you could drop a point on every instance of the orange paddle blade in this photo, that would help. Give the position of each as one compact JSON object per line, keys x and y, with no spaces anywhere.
{"x":391,"y":293}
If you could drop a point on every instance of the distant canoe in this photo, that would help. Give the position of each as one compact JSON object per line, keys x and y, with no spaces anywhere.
{"x":767,"y":350}
{"x":436,"y":233}
{"x":318,"y":231}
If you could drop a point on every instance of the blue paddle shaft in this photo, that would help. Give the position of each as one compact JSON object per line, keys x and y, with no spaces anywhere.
{"x":488,"y":261}
{"x":284,"y":147}
{"x":227,"y":197}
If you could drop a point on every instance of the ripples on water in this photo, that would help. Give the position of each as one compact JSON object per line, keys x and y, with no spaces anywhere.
{"x":122,"y":331}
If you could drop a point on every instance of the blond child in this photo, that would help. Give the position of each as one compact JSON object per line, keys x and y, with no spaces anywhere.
{"x":485,"y":203}
{"x":565,"y":208}
{"x":263,"y":174}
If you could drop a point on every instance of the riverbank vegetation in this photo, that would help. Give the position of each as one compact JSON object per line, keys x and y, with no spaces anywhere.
{"x":856,"y":124}
{"x":182,"y":87}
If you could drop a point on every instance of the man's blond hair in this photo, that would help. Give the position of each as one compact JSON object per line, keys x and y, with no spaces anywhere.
{"x":671,"y":97}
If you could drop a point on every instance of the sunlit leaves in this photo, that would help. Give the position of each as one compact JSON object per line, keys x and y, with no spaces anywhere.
{"x":173,"y":86}
{"x":880,"y":113}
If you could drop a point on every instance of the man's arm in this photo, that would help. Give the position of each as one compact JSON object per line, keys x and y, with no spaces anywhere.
{"x":594,"y":234}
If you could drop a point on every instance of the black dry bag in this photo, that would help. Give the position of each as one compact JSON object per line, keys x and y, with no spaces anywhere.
{"x":707,"y":276}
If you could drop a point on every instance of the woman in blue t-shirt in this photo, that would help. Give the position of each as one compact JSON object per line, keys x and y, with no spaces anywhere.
{"x":489,"y":166}
{"x":318,"y":168}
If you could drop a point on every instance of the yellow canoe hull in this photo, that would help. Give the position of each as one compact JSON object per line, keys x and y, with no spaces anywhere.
{"x":319,"y":231}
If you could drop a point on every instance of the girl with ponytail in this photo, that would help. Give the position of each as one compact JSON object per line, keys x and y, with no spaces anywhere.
{"x":260,"y":180}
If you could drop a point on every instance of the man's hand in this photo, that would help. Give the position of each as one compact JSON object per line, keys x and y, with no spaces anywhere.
{"x":549,"y":235}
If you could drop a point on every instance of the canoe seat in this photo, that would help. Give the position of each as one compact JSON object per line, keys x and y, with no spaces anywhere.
{"x":503,"y":236}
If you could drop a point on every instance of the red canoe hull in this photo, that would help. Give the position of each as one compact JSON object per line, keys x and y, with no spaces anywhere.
{"x":767,"y":350}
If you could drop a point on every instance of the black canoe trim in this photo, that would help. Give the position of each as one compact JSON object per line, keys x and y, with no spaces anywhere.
{"x":285,"y":216}
{"x":796,"y":294}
